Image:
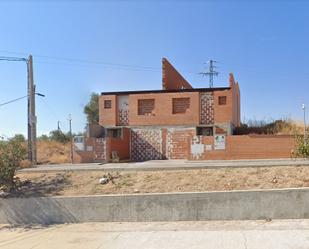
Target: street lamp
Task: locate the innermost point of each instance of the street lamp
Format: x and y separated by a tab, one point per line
305	130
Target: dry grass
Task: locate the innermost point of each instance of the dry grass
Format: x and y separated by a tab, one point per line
87	183
52	152
289	127
277	127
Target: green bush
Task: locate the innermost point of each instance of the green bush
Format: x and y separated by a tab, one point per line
302	146
59	136
12	152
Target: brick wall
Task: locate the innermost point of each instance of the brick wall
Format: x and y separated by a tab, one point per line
247	147
223	113
120	145
94	151
162	114
108	116
235	101
178	142
100	149
171	79
259	146
182	143
190	108
230	112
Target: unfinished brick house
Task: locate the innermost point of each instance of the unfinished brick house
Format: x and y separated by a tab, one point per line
176	122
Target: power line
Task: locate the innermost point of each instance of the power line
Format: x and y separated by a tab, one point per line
128	67
13	100
23	97
5	58
211	73
99	62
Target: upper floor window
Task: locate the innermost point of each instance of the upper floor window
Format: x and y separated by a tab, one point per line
145	107
222	100
180	105
107	104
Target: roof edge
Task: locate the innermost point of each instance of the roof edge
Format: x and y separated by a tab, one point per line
167	91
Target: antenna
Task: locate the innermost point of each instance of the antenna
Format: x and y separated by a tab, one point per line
211	73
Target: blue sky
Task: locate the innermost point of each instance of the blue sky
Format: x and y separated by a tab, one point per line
264	43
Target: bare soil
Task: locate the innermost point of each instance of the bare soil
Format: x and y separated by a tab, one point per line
87	182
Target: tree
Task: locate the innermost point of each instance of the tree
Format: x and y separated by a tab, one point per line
12	152
59	136
92	109
43	137
19	138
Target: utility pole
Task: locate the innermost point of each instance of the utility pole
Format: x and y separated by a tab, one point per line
32	151
58	125
211	73
71	137
32	119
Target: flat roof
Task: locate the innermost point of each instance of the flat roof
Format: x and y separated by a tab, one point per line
167	91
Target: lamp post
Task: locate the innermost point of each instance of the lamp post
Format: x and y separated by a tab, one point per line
305	129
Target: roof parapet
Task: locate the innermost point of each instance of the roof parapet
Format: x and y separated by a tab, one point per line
171	78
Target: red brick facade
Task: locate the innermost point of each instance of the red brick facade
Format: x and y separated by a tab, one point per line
178	122
171	79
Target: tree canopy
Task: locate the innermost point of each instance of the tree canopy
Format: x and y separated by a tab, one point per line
92	109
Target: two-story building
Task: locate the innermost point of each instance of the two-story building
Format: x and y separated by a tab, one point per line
176	122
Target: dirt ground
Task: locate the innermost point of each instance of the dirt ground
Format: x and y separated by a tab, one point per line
87	182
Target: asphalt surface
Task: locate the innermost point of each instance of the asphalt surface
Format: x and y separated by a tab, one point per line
280	234
168	165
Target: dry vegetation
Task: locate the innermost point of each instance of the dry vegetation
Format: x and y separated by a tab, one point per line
277	127
289	127
87	183
51	152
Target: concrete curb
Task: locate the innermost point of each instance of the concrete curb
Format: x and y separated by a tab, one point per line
231	205
153	166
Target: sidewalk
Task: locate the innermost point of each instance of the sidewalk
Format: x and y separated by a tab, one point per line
168	165
277	234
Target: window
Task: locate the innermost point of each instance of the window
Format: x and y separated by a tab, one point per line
222	100
146	107
107	104
180	105
204	131
114	133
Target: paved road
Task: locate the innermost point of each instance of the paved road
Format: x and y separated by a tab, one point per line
292	234
168	165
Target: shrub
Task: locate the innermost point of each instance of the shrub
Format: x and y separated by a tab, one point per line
302	146
12	152
59	136
277	127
